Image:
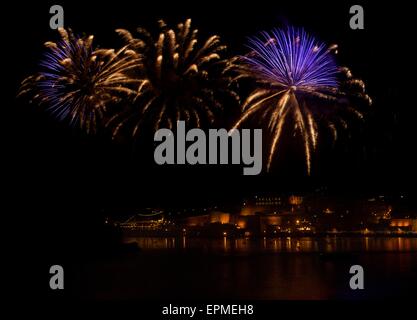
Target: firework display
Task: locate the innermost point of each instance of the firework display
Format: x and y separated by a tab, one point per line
155	81
78	82
180	78
299	84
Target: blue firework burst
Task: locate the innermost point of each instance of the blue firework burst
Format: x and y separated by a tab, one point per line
298	83
292	58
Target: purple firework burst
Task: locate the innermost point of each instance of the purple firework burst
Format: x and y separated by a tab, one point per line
292	58
297	79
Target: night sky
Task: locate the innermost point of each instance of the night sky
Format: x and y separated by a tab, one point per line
53	167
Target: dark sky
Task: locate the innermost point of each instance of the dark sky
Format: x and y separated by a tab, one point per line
53	166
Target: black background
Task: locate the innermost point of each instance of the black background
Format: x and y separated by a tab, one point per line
56	178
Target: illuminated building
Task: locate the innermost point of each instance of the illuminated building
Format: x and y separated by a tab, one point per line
404	224
220	217
205	219
295	200
195	221
271	205
259	215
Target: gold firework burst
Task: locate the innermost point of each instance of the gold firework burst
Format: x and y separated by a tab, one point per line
178	78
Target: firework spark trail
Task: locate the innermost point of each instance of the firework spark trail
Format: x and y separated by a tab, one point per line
78	82
178	79
297	79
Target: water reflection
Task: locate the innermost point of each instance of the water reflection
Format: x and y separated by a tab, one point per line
288	244
159	272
